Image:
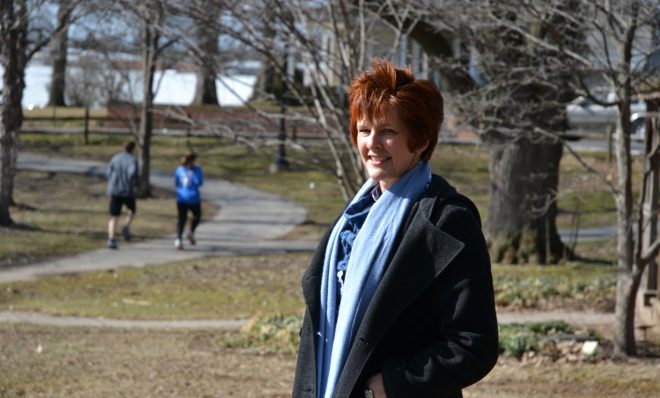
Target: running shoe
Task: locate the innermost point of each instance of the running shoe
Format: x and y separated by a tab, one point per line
126	233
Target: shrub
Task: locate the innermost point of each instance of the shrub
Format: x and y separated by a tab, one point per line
516	289
277	333
517	339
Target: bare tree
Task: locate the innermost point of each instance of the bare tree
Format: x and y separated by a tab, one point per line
59	46
523	230
534	56
620	46
17	47
313	49
510	93
520	113
207	32
152	16
111	44
14	25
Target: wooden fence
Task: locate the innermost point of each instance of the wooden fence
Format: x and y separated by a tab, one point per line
123	121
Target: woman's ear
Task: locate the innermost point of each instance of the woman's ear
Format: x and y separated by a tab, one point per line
421	149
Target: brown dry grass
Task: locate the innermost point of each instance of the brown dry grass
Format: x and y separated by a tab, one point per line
84	363
109	363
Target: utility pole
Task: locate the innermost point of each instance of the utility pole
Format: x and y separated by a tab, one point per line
280	163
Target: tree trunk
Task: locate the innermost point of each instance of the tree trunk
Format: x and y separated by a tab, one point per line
205	90
207	37
146	116
629	276
59	50
627	285
267	84
628	279
13	48
521	223
8	141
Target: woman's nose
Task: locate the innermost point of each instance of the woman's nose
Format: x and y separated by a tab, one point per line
374	140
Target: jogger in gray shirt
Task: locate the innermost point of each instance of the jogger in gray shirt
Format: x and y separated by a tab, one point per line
122	173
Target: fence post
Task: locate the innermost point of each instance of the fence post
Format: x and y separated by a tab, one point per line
86	131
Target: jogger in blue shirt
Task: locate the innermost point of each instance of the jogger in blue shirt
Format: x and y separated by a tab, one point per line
187	179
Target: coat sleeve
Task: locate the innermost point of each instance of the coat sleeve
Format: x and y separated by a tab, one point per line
461	299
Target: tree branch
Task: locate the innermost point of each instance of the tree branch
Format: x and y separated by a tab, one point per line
651	252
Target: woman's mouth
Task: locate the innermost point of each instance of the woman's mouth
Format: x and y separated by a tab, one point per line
378	160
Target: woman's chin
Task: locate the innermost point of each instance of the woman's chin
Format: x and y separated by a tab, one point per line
378	177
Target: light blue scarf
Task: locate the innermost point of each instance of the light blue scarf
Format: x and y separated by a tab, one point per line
370	253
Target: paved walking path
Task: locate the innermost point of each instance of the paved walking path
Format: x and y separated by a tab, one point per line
586	319
582	318
69	321
249	221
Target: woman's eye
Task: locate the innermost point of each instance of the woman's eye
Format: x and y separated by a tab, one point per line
365	131
388	132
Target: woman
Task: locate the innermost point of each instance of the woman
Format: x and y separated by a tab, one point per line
188	178
399	292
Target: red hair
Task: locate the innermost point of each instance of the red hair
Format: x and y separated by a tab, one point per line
419	102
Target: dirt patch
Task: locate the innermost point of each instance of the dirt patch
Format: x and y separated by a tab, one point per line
80	362
516	379
41	361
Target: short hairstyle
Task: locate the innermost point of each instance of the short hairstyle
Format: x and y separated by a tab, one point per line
129	146
419	102
188	159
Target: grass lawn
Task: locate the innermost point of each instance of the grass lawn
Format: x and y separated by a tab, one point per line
213	288
245	286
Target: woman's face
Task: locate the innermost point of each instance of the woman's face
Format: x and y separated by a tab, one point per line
383	146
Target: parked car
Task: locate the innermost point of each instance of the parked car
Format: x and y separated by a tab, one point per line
585	116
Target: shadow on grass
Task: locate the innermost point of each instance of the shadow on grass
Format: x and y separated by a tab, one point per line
593	260
101	234
24	207
25	227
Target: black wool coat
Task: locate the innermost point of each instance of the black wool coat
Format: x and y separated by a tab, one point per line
431	327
